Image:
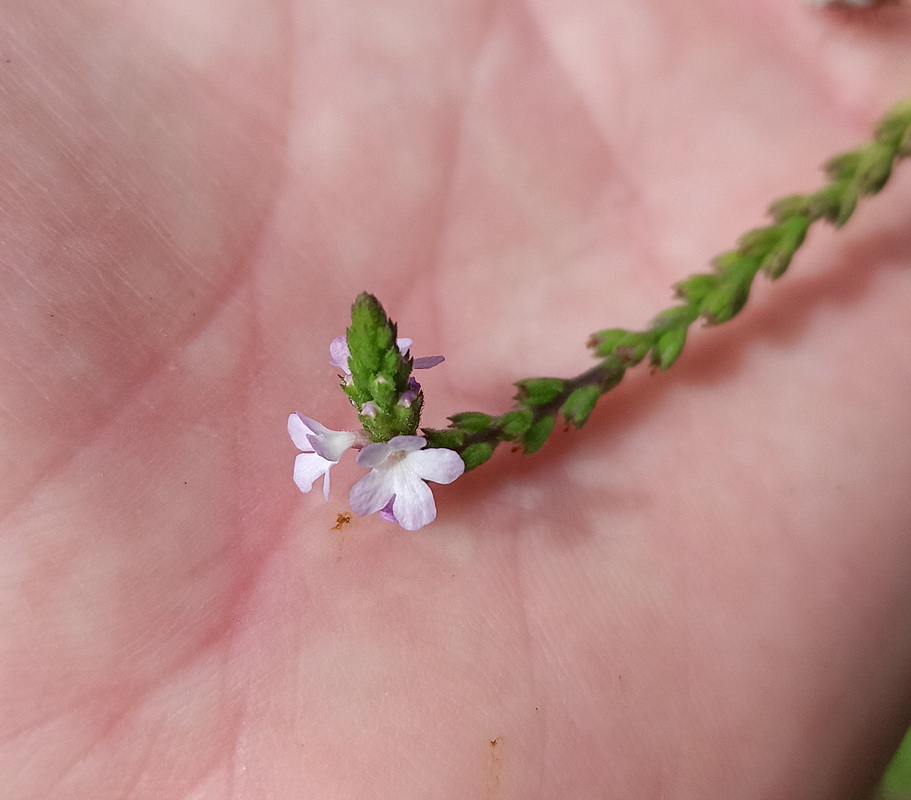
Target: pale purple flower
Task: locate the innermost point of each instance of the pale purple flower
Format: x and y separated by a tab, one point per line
398	471
386	512
426	362
339	354
321	449
406	399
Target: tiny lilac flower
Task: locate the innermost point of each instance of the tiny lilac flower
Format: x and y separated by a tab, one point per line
398	471
406	399
426	362
386	512
321	449
339	354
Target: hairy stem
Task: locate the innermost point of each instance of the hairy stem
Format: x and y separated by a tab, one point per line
715	297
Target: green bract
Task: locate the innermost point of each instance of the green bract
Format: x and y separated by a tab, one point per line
580	404
537	434
539	391
379	374
471	421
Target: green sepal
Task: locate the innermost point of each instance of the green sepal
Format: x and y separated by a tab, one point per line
450	439
471	421
407	417
733	292
631	350
514	424
904	146
677	316
612	372
537	434
874	167
793	231
476	454
895	124
695	288
580	404
605	341
723	305
835	203
759	241
795	205
843	166
669	347
726	262
539	391
357	395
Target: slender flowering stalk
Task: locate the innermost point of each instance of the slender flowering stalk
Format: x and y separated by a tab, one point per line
715	297
377	365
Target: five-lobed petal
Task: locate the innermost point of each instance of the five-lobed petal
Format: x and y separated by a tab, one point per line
398	473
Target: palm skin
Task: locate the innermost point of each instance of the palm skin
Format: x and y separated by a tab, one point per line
705	594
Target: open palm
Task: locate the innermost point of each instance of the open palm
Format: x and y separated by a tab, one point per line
705	594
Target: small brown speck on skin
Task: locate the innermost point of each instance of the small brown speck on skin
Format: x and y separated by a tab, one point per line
340	521
493	775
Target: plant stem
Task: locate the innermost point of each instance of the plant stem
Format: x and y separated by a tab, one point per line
715	296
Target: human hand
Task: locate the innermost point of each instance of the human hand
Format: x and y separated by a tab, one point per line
703	594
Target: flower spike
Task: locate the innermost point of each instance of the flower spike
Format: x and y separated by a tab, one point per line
377	365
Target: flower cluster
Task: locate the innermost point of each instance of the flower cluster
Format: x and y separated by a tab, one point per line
387	398
377	365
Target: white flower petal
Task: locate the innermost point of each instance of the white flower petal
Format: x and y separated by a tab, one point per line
308	467
299	432
332	444
300	424
316	428
326	485
413	506
371	492
374	455
339	354
436	464
404	345
406	444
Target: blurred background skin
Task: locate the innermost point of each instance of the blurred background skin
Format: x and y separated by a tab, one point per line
705	594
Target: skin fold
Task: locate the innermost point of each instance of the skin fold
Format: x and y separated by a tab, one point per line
706	593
